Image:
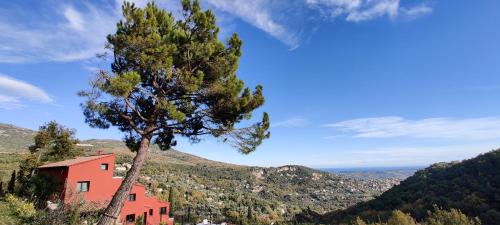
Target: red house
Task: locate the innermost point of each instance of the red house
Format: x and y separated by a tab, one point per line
90	179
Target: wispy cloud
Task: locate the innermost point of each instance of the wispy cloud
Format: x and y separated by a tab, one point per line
363	10
257	13
68	34
417	10
76	31
445	128
403	156
13	92
294	122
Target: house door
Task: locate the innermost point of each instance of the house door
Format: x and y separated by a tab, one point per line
145	218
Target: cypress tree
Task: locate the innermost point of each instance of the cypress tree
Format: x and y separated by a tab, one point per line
12	183
1	189
171	201
23	183
249	213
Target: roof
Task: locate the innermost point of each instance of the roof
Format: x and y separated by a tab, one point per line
77	160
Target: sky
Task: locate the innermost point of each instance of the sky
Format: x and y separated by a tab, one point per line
348	83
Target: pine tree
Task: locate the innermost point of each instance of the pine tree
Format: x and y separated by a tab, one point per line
171	78
12	183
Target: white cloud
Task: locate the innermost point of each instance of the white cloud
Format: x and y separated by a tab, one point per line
258	14
12	91
443	128
9	102
417	10
363	10
380	8
291	123
65	32
69	34
74	18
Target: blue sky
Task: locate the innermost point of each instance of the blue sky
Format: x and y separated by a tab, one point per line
348	83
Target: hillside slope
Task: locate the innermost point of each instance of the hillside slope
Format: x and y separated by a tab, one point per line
203	188
473	186
14	139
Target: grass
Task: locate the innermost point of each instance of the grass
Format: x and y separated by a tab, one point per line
9	162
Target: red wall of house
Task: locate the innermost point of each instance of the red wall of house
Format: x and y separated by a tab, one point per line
102	187
143	204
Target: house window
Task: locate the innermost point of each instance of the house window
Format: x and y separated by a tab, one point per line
130	218
131	197
104	166
82	186
163	210
150	212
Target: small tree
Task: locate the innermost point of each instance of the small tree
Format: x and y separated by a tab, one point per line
12	183
171	78
52	142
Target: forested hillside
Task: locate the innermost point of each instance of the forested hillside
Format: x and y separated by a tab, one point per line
471	186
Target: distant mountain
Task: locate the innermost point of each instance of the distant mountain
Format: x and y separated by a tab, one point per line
472	186
203	188
15	139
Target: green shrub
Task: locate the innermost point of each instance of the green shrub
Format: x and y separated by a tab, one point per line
23	209
400	218
451	217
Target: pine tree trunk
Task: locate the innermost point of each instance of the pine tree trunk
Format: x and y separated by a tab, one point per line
115	206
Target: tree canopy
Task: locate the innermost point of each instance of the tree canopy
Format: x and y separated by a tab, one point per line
174	77
54	142
171	78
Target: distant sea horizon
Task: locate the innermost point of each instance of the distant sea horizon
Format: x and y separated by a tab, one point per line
373	168
388	172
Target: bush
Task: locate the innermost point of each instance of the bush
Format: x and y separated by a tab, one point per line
66	215
358	221
452	217
23	209
400	218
